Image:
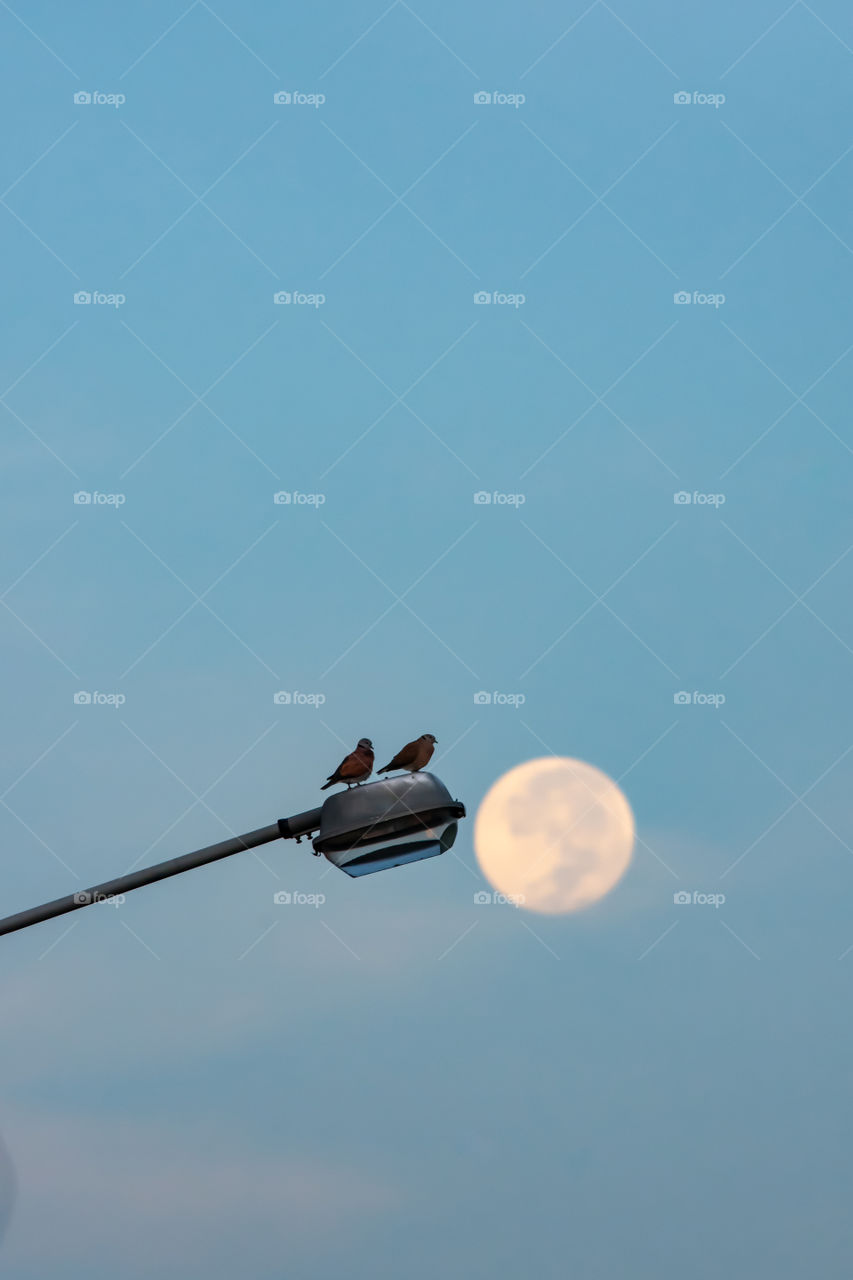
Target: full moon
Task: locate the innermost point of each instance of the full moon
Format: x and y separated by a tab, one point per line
554	835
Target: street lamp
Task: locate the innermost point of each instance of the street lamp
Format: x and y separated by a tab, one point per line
365	829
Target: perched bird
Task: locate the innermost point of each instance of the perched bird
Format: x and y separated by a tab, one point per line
356	767
414	755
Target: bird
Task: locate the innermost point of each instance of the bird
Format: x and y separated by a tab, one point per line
414	755
356	767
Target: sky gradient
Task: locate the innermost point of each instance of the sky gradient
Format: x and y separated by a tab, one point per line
402	1081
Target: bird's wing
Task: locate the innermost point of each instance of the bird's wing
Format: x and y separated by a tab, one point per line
337	772
404	756
353	767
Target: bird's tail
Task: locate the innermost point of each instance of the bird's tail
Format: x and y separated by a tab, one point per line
326	785
384	768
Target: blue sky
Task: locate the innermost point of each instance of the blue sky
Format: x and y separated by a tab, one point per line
200	1082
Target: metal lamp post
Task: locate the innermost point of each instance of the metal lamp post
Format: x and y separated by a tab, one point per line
366	829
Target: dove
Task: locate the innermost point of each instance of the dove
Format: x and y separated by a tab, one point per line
356	767
414	755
